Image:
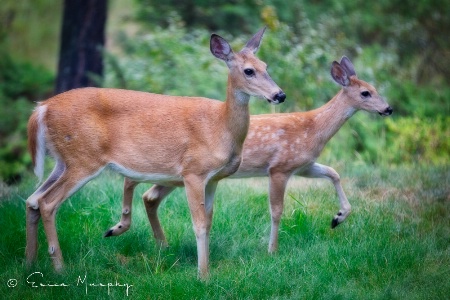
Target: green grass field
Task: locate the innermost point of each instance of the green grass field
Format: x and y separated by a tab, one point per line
394	245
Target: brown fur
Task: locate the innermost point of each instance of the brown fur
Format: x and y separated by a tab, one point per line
170	140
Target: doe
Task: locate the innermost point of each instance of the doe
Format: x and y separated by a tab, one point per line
169	140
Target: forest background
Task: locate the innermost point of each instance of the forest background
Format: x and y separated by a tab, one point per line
401	47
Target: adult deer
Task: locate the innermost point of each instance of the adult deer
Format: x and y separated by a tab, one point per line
282	145
162	139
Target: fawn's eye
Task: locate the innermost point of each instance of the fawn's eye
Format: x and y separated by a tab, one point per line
365	94
249	72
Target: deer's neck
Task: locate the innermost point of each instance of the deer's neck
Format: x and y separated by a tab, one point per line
237	116
329	118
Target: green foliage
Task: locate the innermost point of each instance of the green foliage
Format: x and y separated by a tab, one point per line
20	83
414	140
416	30
23	79
13	146
169	62
212	15
412	99
28	42
29	30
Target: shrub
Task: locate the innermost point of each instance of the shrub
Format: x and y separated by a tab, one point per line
414	140
20	84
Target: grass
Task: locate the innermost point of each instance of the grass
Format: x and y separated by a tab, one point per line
394	245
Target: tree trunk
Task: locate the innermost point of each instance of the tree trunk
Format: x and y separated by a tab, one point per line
82	41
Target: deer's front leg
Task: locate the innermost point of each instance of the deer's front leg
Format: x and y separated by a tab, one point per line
210	191
125	221
195	191
277	187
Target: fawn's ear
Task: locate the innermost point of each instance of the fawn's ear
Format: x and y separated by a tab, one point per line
348	66
255	41
339	74
220	48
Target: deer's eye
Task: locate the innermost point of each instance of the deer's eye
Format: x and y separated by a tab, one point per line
249	72
365	94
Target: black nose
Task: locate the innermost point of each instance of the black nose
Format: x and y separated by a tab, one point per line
389	110
279	97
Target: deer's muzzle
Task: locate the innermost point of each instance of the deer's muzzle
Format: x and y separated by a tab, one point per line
387	112
278	98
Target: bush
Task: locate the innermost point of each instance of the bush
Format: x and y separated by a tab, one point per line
23	79
20	84
415	140
169	62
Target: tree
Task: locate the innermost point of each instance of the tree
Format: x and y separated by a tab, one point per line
82	39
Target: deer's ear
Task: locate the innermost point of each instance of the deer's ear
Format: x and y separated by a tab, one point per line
348	66
254	43
220	48
339	74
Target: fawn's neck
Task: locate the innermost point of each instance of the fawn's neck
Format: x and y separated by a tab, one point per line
330	117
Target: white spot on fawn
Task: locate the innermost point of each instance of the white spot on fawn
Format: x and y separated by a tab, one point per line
280	132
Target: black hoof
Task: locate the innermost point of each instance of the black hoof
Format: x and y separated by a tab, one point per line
108	233
334	223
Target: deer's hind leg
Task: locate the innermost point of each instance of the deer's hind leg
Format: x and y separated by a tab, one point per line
68	183
33	213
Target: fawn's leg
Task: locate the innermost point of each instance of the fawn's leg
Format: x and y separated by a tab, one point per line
322	171
125	220
152	199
